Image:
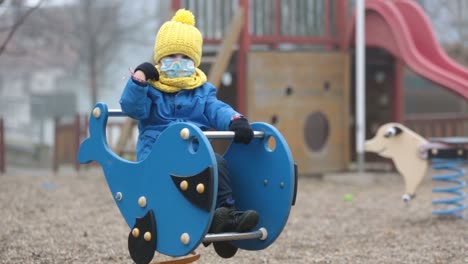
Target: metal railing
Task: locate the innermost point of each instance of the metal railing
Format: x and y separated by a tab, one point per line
272	22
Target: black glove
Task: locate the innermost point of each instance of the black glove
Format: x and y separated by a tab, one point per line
242	129
149	70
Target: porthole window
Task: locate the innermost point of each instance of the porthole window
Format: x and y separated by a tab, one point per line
316	131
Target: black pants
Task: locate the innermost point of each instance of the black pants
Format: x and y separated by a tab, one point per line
224	184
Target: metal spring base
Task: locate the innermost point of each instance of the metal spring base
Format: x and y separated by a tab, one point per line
456	203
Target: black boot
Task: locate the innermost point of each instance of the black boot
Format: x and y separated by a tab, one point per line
241	221
237	221
219	222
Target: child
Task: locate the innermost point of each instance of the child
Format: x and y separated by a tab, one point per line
175	90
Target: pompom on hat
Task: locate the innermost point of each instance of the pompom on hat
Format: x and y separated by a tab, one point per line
179	36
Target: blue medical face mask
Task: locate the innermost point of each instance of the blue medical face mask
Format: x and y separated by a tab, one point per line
177	67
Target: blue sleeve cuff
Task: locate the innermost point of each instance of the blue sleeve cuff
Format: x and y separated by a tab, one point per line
139	83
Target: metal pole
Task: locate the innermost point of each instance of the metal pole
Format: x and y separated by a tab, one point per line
261	234
115	112
360	84
208	134
229	134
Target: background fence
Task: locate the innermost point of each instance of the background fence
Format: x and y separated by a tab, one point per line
69	135
438	125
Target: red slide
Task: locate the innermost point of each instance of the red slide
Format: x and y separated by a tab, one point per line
402	28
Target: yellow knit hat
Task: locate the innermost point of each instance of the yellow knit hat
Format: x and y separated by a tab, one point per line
179	36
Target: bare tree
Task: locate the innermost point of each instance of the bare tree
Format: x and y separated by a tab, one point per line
20	20
98	35
82	37
92	33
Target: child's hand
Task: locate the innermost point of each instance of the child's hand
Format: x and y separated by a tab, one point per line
242	129
146	71
140	75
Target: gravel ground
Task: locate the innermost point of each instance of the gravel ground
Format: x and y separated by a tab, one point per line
70	218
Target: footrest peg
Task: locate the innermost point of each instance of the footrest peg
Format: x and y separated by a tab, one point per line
261	234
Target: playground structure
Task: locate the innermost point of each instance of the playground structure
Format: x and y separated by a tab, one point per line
402	29
313	104
412	155
179	181
306	103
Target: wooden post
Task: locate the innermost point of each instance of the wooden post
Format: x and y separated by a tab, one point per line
244	47
2	147
326	24
125	134
458	128
398	93
175	5
341	20
224	54
277	28
56	142
77	137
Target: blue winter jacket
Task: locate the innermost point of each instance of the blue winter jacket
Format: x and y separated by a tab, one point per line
156	110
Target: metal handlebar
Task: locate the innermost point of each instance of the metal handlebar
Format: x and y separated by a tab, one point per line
208	134
115	112
229	134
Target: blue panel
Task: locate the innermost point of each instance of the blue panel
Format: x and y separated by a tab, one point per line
263	180
174	214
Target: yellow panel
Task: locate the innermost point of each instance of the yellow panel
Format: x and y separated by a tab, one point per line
318	83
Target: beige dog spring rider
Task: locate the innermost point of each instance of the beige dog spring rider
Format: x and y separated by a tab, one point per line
413	154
